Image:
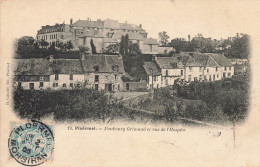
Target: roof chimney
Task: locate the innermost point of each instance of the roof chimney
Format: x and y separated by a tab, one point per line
140	25
71	21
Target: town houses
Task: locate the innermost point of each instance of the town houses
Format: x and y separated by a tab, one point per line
187	67
103	33
100	72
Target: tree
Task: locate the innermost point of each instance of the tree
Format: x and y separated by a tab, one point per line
93	47
25	46
83	49
179	44
163	38
112	49
69	45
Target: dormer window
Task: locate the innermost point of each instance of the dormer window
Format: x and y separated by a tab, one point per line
96	68
115	68
41	78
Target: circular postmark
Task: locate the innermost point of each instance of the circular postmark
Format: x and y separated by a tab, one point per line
31	143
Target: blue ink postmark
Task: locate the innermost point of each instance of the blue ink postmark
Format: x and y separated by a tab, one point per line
31	144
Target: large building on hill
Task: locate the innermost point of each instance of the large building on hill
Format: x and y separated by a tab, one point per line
187	67
103	33
100	72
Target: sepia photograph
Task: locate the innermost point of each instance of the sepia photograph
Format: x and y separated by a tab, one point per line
171	70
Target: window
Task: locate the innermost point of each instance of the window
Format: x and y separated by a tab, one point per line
157	86
71	85
195	78
116	77
181	72
201	68
32	86
41	78
217	75
189	78
166	72
118	87
96	78
229	74
210	78
41	84
214	77
216	68
190	68
154	78
96	86
56	76
71	76
205	78
225	68
64	85
229	68
207	70
53	85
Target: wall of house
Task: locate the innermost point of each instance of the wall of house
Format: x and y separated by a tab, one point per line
104	78
229	72
26	85
173	74
98	42
135	86
209	72
195	72
156	81
65	79
145	48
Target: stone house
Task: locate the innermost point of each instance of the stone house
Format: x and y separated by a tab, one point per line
100	72
103	33
188	67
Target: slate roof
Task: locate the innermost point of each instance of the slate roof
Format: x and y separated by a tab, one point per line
148	66
105	63
205	60
32	67
220	59
90	24
41	66
100	24
168	62
67	66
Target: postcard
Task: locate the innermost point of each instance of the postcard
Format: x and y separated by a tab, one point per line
130	83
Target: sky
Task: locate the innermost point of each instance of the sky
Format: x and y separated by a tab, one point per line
216	19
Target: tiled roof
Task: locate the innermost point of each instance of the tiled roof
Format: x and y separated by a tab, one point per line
169	62
148	66
105	63
220	59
